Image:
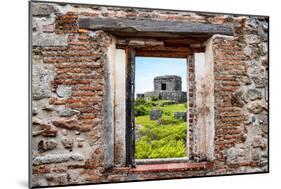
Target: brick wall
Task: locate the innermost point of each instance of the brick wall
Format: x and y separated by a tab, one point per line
229	69
68	82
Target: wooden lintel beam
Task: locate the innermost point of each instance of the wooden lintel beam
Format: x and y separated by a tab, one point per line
167	54
138	43
157	42
155	27
196	45
198	49
185	41
171	49
145	43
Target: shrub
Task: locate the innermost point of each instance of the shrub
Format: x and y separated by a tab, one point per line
140	101
171	148
141	110
154	98
143	149
167	121
160	138
162	141
168	113
160	149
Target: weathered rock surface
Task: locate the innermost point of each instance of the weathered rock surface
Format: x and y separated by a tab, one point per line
155	114
253	94
67	143
259	142
42	9
48	107
46	145
67	112
260	82
57	179
71	124
40	182
43	128
64	132
180	115
80	142
34	111
57	158
232	154
257	107
64	91
41	82
49	39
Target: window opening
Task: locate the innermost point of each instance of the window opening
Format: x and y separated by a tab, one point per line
160	108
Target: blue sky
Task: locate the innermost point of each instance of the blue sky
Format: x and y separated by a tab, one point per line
147	68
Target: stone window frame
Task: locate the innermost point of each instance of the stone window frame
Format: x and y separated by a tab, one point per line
124	157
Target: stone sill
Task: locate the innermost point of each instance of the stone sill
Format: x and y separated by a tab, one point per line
165	167
161	160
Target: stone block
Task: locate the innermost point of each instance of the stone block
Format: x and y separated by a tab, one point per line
41	82
67	143
253	94
47	145
257	107
57	158
68	112
64	91
70	124
40	9
57	179
49	39
180	115
260	82
232	155
155	114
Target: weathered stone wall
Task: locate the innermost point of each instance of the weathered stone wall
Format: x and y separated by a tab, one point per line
241	104
177	96
68	94
69	78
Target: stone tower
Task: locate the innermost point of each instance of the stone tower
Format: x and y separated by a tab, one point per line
167	83
167	87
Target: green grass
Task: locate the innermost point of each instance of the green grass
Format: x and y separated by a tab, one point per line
174	108
161	138
145	121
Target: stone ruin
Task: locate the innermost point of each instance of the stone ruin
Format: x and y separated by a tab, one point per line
155	114
78	129
167	87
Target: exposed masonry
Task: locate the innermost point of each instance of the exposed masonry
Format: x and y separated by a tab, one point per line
70	85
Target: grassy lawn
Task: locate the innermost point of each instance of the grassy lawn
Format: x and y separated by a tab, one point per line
161	138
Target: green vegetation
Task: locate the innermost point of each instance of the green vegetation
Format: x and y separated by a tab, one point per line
161	138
